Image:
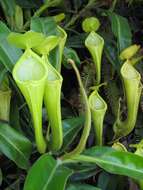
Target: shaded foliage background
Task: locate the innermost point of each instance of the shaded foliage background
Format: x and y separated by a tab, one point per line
121	26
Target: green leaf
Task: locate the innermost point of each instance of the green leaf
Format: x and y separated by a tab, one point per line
81	187
116	162
52	3
29	39
111	52
2	72
112	182
14	145
28	4
8	7
70	53
4	30
19	17
14	114
47	26
76	41
82	171
121	29
58	182
70	129
8	54
46	174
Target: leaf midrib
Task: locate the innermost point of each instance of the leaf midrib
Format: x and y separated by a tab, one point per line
18	150
50	177
98	161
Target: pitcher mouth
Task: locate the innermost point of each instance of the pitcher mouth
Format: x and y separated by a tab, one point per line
93	40
96	102
53	74
129	72
29	68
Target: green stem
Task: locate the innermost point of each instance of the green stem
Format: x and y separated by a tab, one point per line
41	10
82	143
89	5
113	6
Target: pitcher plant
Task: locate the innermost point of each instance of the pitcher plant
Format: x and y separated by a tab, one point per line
30	74
94	44
98	109
132	87
52	100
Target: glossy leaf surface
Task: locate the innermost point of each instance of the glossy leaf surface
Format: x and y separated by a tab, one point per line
116	162
14	145
121	30
47	173
8	53
81	187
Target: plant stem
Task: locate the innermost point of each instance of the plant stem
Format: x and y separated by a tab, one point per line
113	5
36	14
75	17
82	143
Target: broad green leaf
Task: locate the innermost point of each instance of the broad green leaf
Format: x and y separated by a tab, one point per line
70	53
46	25
70	129
29	39
111	52
121	29
81	187
14	145
58	182
8	53
116	162
47	173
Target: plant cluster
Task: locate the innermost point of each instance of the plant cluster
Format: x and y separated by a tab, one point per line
71	101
